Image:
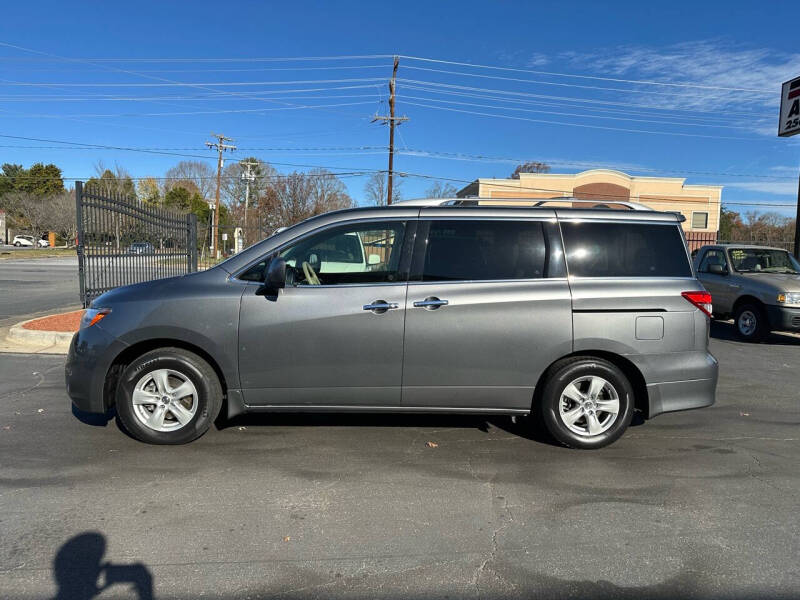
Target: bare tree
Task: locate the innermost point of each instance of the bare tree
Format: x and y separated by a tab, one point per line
530	167
63	218
327	192
303	195
441	189
112	181
377	187
194	172
34	212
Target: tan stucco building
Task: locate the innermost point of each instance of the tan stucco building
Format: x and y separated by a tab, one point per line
700	204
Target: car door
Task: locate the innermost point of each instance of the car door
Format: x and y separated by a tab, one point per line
488	309
722	287
334	335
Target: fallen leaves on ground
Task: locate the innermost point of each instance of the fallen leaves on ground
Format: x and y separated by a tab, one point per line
431	444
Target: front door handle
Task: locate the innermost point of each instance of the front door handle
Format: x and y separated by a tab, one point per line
431	303
380	306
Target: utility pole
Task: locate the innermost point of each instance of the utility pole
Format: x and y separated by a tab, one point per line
221	146
391	120
797	224
248	177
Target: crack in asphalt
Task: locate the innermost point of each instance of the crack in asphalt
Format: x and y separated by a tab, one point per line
42	375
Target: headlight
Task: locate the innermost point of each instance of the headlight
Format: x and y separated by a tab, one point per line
92	316
789	297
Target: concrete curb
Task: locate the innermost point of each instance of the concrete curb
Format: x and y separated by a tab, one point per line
19	339
19	334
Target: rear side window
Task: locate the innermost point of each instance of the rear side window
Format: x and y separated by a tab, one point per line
625	250
473	250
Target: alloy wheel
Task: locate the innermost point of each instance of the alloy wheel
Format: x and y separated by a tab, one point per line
589	405
164	400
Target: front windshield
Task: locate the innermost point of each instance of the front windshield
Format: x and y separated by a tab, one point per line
763	260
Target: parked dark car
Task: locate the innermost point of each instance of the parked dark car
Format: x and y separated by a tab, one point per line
141	248
579	317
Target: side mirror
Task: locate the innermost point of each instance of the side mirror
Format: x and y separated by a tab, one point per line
717	270
275	278
373	259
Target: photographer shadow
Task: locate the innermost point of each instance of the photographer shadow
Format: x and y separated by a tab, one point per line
78	568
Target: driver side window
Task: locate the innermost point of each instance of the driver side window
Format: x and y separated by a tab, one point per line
712	257
351	254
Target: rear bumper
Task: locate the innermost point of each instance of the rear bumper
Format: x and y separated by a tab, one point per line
91	353
681	395
783	318
678	380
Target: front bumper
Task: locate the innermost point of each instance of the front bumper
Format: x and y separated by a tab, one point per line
91	354
783	318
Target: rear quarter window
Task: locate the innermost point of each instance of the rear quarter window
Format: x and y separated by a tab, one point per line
625	250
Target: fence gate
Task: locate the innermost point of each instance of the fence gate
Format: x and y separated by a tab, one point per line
123	241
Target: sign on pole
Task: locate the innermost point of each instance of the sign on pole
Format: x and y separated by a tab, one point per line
790	108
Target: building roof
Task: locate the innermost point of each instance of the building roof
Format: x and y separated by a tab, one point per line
612	173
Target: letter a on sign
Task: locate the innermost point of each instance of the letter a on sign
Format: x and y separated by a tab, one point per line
790	108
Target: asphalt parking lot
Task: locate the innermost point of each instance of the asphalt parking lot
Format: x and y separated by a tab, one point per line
30	287
702	504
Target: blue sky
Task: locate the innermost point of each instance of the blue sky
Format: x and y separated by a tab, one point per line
570	91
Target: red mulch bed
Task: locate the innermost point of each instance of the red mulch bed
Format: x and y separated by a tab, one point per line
64	322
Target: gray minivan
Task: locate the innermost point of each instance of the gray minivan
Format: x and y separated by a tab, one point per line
577	316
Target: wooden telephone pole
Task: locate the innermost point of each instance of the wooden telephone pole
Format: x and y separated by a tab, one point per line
391	120
221	146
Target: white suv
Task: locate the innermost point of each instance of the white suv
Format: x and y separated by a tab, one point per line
28	240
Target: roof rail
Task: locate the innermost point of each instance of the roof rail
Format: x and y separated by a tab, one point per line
528	202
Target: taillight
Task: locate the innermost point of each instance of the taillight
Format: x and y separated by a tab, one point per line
701	300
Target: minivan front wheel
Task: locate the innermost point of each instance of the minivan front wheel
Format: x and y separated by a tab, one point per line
587	402
168	396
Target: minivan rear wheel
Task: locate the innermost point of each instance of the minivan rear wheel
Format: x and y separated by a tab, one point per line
168	396
587	402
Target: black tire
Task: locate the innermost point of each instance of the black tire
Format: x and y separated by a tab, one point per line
181	364
569	370
751	323
17	244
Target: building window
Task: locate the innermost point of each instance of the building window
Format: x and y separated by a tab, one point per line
699	220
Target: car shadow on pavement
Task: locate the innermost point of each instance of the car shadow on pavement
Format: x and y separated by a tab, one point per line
726	331
93	419
521	425
81	574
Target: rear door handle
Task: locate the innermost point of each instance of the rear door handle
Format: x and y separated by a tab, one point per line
431	303
380	306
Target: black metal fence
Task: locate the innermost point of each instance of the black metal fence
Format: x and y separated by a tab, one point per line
123	241
698	239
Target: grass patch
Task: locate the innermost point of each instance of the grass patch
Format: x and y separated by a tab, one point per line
34	253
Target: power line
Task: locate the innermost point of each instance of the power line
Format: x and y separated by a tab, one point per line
560	84
188	113
588	126
167	83
589	105
71	145
451	86
129	72
54	58
584	165
259	70
246	95
593	77
550	112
